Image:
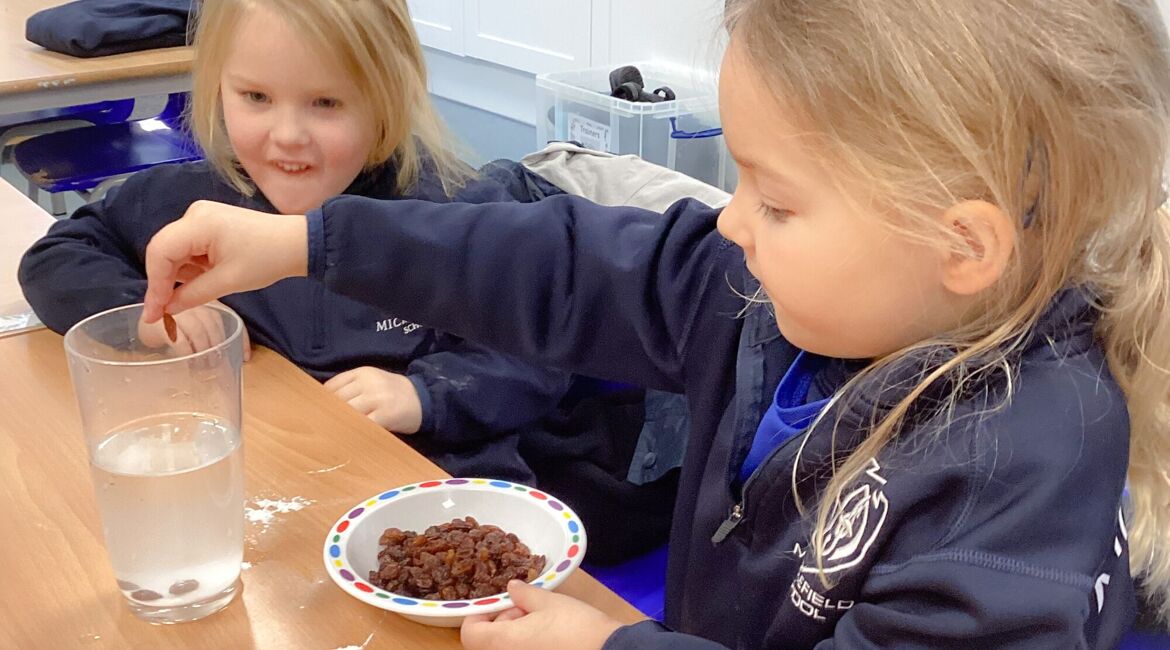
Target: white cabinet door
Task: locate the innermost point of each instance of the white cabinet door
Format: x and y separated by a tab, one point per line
532	35
439	23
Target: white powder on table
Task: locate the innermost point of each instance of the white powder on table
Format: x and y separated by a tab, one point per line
266	509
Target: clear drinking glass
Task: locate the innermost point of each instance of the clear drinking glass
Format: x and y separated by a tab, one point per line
162	427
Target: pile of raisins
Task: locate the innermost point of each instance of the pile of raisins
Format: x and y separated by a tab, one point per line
456	561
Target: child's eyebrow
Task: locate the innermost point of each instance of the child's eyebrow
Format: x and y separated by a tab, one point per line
768	174
240	80
750	162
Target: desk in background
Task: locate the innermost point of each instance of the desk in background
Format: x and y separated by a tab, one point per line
33	78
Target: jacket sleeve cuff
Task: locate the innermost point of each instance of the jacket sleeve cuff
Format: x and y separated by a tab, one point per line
652	634
428	404
638	635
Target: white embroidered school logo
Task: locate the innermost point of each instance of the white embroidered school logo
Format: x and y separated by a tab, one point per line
853	524
391	324
812	603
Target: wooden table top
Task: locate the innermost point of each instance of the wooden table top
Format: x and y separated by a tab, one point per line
302	445
28	68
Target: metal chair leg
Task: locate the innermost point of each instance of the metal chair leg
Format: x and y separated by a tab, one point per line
57	199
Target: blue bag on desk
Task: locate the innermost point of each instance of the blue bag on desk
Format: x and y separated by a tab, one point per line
88	28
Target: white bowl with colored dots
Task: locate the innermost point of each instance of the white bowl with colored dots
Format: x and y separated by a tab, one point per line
544	524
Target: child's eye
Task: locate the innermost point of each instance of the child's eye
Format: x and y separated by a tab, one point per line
778	214
327	102
254	96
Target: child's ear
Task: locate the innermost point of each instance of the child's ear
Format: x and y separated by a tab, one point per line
989	240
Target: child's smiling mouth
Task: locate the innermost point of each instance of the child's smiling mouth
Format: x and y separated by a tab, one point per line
292	168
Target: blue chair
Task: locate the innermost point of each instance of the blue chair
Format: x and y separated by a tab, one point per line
20	126
99	113
1148	632
641	581
1138	640
92	159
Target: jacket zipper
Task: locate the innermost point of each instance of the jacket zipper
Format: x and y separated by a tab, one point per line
728	524
738	510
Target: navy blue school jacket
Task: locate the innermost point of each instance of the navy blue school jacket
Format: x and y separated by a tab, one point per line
471	395
986	529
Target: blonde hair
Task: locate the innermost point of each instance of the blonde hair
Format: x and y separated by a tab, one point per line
374	41
1054	110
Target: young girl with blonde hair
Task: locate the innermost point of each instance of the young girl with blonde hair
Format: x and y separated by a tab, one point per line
294	102
952	214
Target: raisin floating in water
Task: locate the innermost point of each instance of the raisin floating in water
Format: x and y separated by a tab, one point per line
453	561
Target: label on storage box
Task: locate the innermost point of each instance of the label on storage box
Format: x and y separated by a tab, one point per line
591	135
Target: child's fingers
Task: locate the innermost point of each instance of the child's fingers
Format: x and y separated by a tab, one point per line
159	288
197	323
382	418
168	252
196	330
478	618
363	404
200	290
215	322
472	631
479	633
247	345
347	391
152	335
189	272
527	597
340	379
510	615
491	631
182	344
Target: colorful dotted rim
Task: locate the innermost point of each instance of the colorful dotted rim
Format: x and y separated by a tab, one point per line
335	561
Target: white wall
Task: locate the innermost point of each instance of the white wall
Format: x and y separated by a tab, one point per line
492	108
682	32
685	32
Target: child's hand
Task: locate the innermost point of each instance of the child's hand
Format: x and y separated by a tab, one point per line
195	330
217	249
384	397
541	619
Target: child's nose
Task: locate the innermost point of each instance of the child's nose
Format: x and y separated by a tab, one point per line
732	223
289	128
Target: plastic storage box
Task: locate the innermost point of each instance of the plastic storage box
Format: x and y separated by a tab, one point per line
681	134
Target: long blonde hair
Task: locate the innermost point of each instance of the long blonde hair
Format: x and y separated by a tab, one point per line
374	41
1054	110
